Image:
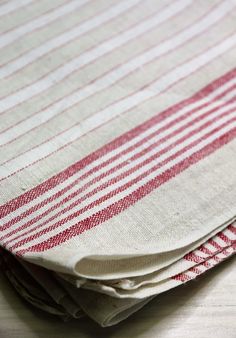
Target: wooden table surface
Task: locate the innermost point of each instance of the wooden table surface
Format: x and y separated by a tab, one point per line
202	308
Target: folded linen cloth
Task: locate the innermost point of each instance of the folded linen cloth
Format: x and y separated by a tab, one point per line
110	309
117	144
214	250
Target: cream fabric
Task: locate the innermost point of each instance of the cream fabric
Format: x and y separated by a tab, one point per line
117	145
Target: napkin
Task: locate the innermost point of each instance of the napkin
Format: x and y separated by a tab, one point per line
117	144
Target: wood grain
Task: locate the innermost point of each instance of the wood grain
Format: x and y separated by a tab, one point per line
202	308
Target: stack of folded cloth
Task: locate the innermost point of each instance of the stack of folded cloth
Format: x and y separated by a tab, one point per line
118	149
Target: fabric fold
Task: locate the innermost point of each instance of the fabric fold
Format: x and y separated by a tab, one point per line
117	150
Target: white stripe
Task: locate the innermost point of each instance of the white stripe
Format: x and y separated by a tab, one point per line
116	109
133	188
129	166
67	69
40	22
113	76
190	274
211	247
11	6
220	241
220	256
201	254
133	163
120	171
230	234
66	37
121	148
202	268
138	172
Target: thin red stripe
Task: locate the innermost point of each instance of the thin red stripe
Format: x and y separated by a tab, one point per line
117	207
104	174
95	128
64	63
71	170
183	277
111	181
78	88
105	73
51	138
66	43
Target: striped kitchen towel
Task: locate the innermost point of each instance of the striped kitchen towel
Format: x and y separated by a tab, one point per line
117	148
115	299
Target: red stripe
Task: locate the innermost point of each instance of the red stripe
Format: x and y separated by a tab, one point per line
193	257
232	228
195	269
54	49
215	244
79	122
92	130
117	207
71	170
105	73
68	143
206	250
104	174
109	183
64	63
183	276
70	93
89	206
225	238
51	138
207	265
73	40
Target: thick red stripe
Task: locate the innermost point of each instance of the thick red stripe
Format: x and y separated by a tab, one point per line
71	170
205	250
183	276
114	180
116	208
232	228
225	238
215	244
122	164
195	269
193	257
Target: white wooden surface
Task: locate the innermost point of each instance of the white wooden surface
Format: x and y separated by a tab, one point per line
203	308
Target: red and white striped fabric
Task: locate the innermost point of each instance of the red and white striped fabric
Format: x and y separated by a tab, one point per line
118	140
